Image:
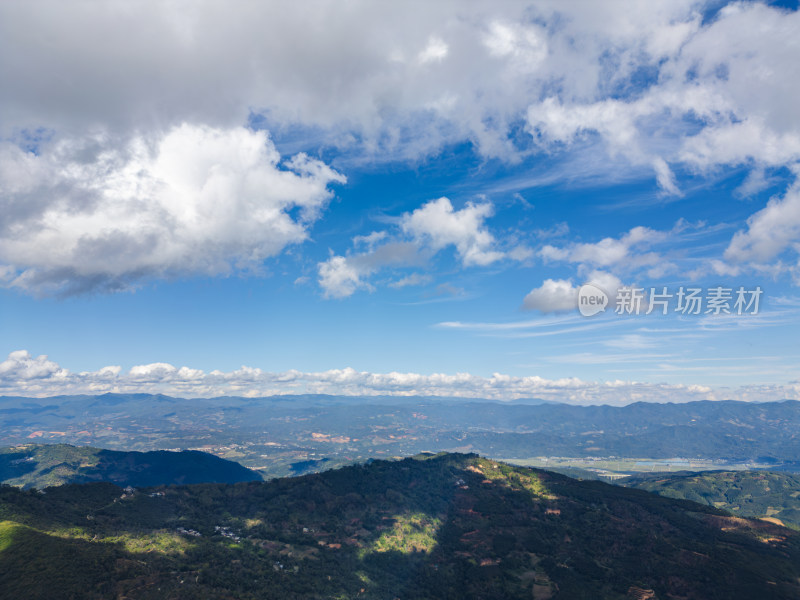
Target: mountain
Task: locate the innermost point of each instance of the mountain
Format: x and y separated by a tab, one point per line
286	435
41	466
759	494
447	526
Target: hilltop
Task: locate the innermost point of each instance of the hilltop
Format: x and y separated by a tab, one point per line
448	526
40	466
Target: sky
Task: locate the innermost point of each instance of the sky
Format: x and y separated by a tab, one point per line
401	198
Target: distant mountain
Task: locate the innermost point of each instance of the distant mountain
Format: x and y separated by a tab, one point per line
744	493
283	435
41	466
437	527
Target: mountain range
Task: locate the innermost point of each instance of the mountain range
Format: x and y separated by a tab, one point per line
287	435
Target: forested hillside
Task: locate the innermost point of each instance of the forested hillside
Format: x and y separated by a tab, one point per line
444	526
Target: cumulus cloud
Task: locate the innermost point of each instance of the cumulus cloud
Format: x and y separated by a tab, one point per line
422	233
339	278
770	231
22	374
197	200
560	295
771	242
439	225
21	366
554	295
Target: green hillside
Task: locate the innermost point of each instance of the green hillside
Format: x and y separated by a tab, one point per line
41	466
444	527
744	493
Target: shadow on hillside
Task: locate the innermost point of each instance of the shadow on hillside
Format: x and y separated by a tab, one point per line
15	464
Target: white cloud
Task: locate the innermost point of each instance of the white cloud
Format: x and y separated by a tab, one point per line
770	245
722	268
429	229
369	240
741	143
20	365
554	295
110	371
559	295
755	182
435	51
196	200
339	278
152	372
626	251
713	102
605	281
17	378
770	231
665	177
438	224
521	253
411	280
524	46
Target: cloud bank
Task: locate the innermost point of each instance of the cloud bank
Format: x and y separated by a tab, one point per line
23	374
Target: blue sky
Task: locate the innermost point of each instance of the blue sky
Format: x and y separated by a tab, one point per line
380	200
